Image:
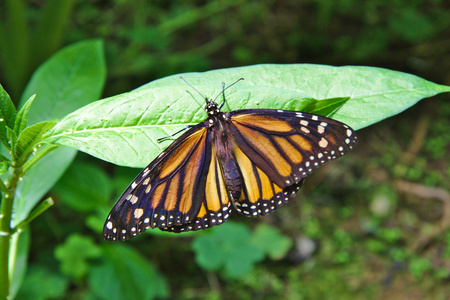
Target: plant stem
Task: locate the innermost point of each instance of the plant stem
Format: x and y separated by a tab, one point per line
6	230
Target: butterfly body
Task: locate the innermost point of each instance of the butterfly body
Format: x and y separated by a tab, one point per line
253	159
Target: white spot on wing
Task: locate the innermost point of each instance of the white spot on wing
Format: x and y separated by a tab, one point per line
133	199
138	212
323	143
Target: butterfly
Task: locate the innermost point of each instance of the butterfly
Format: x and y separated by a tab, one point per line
252	159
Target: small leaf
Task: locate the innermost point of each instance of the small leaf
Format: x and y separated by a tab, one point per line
7	116
30	138
124	129
22	116
12	137
5	163
4	166
75	253
271	241
125	274
227	247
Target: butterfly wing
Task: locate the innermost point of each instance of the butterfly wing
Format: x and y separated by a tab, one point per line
167	192
275	150
215	202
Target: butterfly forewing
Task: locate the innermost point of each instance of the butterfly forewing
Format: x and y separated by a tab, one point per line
160	196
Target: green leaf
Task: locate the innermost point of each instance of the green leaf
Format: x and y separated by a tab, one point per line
41	284
7	115
22	116
70	79
84	187
5	163
124	129
75	253
271	241
227	247
30	138
18	257
125	274
12	137
39	180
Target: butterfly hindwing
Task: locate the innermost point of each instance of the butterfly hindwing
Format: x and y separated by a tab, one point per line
260	195
215	203
275	150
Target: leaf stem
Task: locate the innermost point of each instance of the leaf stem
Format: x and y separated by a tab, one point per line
6	230
41	153
43	206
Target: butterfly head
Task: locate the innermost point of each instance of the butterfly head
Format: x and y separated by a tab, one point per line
212	108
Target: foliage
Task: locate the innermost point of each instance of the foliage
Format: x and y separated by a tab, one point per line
377	227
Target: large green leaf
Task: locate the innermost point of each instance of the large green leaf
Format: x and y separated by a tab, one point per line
73	77
124	129
62	83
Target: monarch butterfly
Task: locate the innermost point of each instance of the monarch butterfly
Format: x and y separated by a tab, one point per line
255	159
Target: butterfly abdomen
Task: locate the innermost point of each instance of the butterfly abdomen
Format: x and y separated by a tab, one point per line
232	178
224	145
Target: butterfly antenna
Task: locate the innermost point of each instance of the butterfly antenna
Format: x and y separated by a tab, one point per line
224	89
206	99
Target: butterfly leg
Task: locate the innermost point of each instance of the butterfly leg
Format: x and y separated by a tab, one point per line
172	136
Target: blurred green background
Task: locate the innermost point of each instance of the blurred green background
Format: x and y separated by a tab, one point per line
372	225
